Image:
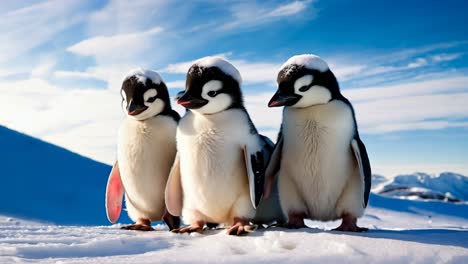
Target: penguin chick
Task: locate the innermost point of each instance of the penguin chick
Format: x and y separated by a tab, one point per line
218	175
321	163
146	152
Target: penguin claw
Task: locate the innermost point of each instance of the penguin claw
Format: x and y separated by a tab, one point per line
349	224
354	228
240	229
188	229
138	227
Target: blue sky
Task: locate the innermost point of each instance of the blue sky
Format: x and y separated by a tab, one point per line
403	64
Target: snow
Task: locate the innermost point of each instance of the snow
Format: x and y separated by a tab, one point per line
142	74
415	234
309	61
445	186
53	212
224	65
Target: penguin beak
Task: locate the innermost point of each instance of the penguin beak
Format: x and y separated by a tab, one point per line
134	109
282	99
190	102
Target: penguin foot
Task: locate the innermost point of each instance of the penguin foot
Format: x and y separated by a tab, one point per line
171	221
195	227
295	221
140	225
212	225
349	224
241	227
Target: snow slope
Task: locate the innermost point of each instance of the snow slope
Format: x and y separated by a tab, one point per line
44	184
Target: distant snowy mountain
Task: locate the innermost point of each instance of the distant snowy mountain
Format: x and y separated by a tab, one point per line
45	182
447	186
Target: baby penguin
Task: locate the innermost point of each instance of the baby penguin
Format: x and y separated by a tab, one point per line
146	152
218	175
322	164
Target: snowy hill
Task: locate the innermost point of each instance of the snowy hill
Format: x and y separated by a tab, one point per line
44	182
445	186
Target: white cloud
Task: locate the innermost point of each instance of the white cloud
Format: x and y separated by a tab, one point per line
75	74
110	73
387	115
44	68
446	57
250	14
176	85
419	62
120	47
122	16
28	27
288	9
423	87
345	71
85	121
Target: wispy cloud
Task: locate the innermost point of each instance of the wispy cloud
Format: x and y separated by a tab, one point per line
44	68
288	9
251	14
446	57
116	47
424	87
28	27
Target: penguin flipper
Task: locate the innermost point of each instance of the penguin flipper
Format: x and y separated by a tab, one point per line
273	166
255	168
114	194
174	193
360	153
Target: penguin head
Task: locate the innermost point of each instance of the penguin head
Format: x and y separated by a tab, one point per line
144	94
303	81
212	86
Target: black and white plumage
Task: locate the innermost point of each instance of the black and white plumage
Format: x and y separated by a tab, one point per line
218	176
146	151
321	163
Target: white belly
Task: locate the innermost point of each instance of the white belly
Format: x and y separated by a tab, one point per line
146	152
211	162
317	155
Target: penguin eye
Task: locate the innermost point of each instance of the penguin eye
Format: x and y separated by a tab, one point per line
212	93
303	84
304	88
150	95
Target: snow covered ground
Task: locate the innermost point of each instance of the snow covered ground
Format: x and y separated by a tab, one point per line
401	231
64	193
